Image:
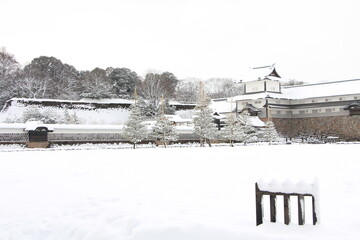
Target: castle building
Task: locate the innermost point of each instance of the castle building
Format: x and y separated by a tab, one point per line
321	109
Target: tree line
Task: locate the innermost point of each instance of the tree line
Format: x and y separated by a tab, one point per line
49	77
237	129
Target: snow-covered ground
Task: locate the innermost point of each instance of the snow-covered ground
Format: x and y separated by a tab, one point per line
177	193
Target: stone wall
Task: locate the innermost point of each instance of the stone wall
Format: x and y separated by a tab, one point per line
344	127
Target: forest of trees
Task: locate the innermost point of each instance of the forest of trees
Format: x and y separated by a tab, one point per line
49	77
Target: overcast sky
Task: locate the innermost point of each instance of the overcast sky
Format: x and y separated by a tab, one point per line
312	40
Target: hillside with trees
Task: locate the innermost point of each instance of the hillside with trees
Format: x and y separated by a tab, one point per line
49	77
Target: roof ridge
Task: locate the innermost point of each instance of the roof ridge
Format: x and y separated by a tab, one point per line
321	83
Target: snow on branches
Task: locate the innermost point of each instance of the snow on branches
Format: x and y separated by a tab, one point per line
204	125
134	130
164	129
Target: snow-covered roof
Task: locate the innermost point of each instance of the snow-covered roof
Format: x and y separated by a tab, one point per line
315	90
223	105
259	73
261	95
86	126
178	119
216	115
107	100
85	100
52	127
256	122
89	100
33	125
325	89
251	108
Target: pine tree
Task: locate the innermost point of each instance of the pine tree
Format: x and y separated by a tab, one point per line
233	131
74	118
270	133
249	132
134	130
163	129
203	120
67	117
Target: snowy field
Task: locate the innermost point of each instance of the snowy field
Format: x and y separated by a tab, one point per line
172	194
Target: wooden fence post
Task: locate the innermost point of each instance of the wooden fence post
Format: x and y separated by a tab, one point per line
314	211
301	210
273	208
287	209
259	210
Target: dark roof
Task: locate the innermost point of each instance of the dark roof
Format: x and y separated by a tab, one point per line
355	105
251	108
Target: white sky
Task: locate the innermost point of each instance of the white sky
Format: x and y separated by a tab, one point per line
312	40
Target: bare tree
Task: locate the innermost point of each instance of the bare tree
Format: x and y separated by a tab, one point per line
292	82
8	68
60	78
222	88
187	89
157	85
27	85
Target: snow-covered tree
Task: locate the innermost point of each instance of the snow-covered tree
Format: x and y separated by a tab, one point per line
31	113
163	129
70	119
124	81
29	86
250	133
149	110
204	127
186	90
61	79
223	88
158	85
67	117
270	133
233	131
134	130
8	64
8	68
48	116
74	118
95	84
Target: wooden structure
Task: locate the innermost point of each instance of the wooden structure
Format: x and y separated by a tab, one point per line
40	134
287	216
38	138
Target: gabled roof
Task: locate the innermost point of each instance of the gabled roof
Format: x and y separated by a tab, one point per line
260	73
250	107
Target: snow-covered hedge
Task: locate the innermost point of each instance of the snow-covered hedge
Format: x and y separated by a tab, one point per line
19	113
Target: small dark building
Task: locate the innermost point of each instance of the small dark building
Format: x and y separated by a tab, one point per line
40	134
